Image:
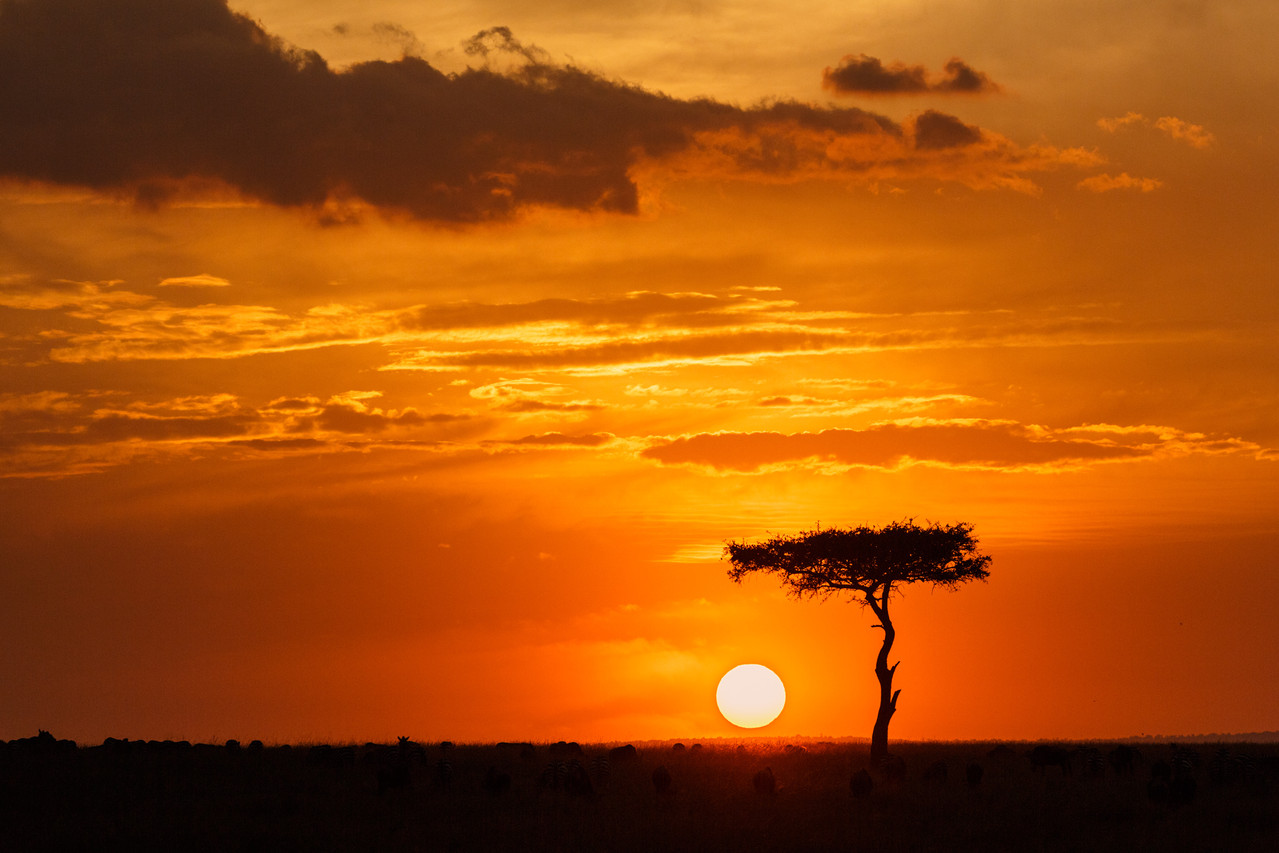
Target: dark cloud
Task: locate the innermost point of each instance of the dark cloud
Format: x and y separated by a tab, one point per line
934	130
146	96
963	78
279	443
867	75
121	427
354	418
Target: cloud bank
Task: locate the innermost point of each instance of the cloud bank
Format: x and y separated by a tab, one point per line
156	99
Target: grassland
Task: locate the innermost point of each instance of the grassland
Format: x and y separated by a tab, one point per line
178	796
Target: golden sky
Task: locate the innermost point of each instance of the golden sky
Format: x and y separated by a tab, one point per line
401	368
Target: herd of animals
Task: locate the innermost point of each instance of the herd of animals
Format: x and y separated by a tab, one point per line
1172	772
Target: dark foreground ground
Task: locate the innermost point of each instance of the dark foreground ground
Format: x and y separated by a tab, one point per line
178	796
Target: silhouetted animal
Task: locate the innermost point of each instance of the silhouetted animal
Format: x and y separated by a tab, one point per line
765	782
1123	759
42	744
1185	760
444	771
1044	756
601	771
549	778
619	754
496	782
661	780
1174	784
1091	760
568	776
410	751
1227	768
325	755
973	773
576	780
936	774
393	764
892	769
679	747
561	748
861	784
1003	752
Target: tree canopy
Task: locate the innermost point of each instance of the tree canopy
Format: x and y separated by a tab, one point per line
865	560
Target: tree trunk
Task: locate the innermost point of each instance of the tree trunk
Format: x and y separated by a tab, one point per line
884	672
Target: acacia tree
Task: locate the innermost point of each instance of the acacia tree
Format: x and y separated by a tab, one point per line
871	565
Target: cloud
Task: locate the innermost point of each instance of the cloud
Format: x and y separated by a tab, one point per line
973	444
867	75
1110	125
628	310
559	439
1122	181
753	338
1194	135
528	396
579	336
157	99
202	280
934	130
27	295
56	433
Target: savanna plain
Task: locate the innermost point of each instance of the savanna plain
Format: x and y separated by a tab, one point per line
750	794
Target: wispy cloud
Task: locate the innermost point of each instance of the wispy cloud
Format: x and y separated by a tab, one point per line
616	335
1123	181
57	434
1194	135
202	280
999	445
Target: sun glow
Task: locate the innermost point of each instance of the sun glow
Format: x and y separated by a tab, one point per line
750	696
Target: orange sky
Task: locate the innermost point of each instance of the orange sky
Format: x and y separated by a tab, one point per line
371	371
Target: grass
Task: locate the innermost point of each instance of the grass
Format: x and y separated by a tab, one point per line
157	796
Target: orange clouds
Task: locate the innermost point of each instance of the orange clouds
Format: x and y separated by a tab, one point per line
1122	181
971	444
1194	135
202	280
584	336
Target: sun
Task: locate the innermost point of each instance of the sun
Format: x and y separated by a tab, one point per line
750	696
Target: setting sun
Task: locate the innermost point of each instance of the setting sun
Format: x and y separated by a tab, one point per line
750	696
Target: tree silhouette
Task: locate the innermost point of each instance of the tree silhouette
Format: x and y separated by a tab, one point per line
870	564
